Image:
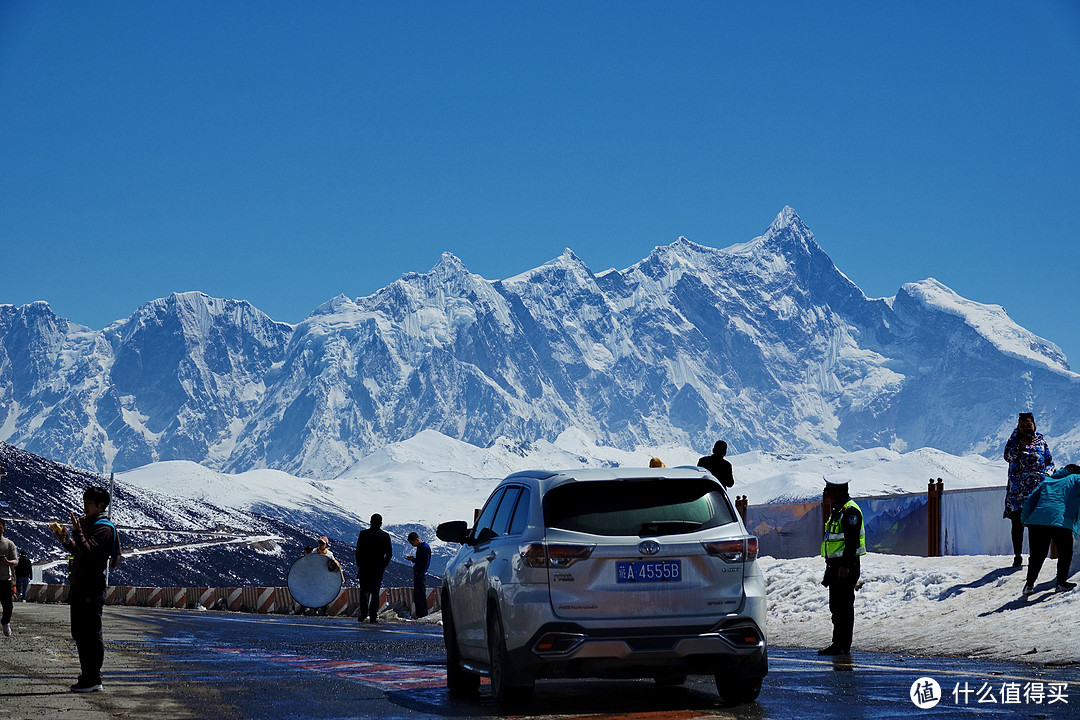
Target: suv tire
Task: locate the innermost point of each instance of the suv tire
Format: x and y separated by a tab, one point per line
510	688
459	681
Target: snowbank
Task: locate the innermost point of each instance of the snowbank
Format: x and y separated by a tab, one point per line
965	606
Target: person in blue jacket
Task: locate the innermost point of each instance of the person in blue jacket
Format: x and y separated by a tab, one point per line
1029	461
1052	512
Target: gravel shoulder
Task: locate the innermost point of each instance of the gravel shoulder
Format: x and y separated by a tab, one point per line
39	662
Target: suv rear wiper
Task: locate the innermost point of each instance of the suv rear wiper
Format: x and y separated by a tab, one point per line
668	527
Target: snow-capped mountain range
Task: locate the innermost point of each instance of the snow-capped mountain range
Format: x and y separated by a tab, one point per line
765	344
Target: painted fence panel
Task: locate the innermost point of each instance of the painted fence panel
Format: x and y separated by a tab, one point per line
972	523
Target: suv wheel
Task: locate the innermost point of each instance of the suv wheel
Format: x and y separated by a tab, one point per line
736	690
459	681
510	689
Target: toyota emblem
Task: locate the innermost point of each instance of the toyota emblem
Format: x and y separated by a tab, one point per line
648	547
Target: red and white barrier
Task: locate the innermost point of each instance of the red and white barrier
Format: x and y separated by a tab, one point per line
200	596
340	604
149	597
283	600
233	598
174	597
248	599
257	599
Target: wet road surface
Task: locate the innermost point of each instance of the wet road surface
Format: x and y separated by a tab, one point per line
257	667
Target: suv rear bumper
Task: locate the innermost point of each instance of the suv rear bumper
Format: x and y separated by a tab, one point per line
735	646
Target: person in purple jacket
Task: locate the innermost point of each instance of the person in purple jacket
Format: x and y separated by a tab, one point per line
1029	462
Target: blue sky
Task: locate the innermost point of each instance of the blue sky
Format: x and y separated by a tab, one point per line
285	152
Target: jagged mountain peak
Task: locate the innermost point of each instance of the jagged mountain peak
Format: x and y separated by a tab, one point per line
196	314
340	304
448	276
666	264
569	257
566	264
990	321
788	218
449	264
37	307
37	317
789	234
686	252
568	260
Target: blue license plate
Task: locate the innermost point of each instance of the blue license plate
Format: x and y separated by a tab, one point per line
648	571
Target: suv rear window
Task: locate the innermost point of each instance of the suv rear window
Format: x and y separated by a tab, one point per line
637	507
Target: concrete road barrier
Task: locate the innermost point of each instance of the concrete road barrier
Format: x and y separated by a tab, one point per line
247	599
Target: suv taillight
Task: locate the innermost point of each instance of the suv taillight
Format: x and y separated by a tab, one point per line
744	550
539	555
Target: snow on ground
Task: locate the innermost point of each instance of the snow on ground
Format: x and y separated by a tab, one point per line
960	606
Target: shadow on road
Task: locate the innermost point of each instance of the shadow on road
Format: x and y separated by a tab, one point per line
579	698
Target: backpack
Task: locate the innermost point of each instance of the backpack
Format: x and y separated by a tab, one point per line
115	557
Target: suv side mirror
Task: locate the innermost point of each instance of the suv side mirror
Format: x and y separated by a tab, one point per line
455	531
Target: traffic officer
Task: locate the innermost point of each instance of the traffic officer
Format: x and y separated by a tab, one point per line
843	544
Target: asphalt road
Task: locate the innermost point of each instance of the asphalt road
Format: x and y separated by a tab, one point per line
178	664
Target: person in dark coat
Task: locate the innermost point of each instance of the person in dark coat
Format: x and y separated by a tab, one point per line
92	542
421	562
23	572
717	465
844	543
9	558
373	553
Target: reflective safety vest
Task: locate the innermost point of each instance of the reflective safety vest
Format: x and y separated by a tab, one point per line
832	546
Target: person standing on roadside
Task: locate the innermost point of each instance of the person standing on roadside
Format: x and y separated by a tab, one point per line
373	553
421	562
717	465
1029	461
1052	513
92	542
844	543
23	572
9	558
322	547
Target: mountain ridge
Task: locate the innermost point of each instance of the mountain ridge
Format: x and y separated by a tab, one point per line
765	343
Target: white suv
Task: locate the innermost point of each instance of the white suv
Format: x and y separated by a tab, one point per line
621	572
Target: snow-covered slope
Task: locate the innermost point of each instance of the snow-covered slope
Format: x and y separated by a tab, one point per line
765	344
429	479
931	606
